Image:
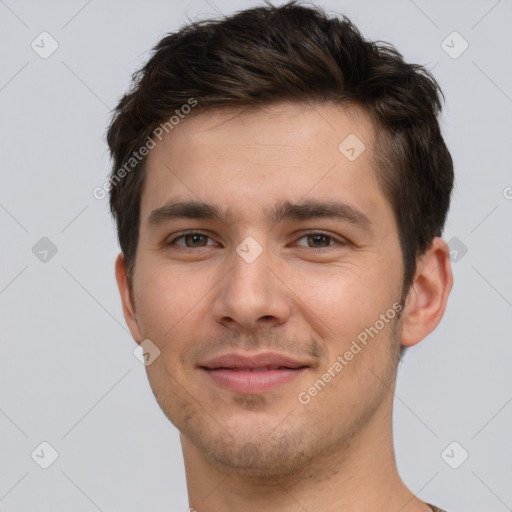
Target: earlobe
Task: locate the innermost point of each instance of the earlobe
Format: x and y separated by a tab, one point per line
426	301
127	300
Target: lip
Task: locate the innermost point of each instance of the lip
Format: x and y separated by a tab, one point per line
238	360
253	373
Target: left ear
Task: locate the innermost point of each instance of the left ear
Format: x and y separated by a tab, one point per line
426	300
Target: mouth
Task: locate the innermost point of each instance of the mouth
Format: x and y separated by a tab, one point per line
253	374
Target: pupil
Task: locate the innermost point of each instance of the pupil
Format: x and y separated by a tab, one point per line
318	239
195	239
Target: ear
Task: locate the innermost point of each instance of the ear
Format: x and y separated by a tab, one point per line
426	300
126	298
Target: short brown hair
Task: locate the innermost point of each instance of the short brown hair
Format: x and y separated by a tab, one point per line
268	54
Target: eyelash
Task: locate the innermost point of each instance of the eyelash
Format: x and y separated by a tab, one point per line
309	233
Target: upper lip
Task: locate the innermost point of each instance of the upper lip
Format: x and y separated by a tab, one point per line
261	360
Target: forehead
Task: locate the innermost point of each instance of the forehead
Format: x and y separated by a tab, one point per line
247	159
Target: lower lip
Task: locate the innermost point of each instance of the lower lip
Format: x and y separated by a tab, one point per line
252	382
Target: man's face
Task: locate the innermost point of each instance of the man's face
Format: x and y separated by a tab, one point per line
301	284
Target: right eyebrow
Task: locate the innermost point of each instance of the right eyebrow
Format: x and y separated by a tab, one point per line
186	210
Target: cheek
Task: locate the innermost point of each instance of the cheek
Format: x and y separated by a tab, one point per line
339	296
344	307
165	299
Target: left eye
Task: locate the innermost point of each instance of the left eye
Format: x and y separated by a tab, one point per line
318	240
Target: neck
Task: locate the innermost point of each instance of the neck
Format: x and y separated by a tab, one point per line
361	474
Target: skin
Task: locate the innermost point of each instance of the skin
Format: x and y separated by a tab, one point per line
307	297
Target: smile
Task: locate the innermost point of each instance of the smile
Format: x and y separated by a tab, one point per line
253	380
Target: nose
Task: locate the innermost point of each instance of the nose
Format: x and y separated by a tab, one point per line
250	296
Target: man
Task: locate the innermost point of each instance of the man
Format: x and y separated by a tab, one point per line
280	186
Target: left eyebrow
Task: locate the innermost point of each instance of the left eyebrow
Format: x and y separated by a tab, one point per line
322	209
284	210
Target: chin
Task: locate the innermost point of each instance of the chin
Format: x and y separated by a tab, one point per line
249	451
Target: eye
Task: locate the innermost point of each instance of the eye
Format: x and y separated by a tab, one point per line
191	239
319	240
196	239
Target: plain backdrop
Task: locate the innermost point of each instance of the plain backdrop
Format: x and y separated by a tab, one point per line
68	375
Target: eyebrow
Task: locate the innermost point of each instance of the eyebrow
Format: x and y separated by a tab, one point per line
282	211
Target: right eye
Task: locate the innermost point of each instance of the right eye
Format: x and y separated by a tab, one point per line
191	240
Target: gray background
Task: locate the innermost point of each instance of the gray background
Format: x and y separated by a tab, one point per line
68	375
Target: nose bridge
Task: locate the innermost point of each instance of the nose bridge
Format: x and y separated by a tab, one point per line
250	293
250	275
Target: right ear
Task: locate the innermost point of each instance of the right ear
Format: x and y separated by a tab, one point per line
127	298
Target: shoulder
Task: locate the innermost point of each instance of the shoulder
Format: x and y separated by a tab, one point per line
434	508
